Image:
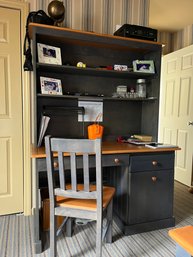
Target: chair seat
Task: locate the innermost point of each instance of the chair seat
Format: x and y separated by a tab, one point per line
184	237
86	204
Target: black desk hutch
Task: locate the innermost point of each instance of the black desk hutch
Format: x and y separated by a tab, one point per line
121	116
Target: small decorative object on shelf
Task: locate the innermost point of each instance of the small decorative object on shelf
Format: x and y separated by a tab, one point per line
120	67
121	91
141	88
81	65
146	66
49	54
132	93
56	11
50	86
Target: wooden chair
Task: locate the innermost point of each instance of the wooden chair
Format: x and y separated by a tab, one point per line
184	240
85	200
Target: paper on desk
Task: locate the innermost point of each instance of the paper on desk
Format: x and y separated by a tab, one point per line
43	126
156	145
92	110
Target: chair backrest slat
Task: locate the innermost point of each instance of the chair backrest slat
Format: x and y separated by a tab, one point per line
86	172
73	171
61	170
76	148
99	175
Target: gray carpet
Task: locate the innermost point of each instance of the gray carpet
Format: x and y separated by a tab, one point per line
16	236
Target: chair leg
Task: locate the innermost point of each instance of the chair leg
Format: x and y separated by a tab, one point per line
53	252
99	237
69	227
108	238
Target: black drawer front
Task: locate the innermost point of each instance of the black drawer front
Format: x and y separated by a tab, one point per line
111	160
159	161
41	163
107	161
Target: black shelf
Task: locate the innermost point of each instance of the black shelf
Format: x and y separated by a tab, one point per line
81	38
131	99
92	71
96	98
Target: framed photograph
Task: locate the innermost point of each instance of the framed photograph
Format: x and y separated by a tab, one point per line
49	54
143	66
50	86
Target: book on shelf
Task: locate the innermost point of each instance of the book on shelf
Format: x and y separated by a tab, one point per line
132	140
143	137
138	142
43	126
156	145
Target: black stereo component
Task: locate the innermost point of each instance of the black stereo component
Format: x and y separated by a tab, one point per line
135	31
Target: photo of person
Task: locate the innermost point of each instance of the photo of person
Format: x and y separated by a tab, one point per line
143	67
49	54
50	86
146	66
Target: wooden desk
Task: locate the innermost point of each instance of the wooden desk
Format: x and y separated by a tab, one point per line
109	148
143	178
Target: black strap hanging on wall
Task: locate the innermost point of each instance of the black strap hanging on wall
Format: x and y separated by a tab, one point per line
35	17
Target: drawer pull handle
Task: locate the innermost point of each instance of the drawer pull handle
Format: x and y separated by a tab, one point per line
154	163
154	178
55	164
116	160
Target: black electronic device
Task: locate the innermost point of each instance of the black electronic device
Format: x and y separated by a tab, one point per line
135	31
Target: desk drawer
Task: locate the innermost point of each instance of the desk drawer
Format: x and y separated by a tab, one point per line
107	161
111	160
41	163
161	161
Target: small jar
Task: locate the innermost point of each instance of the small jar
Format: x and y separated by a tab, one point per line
132	92
141	88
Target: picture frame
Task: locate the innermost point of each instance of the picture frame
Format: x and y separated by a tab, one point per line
49	54
145	66
50	86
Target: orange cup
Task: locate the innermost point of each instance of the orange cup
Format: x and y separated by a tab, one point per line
95	131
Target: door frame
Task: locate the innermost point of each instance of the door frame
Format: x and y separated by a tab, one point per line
23	7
